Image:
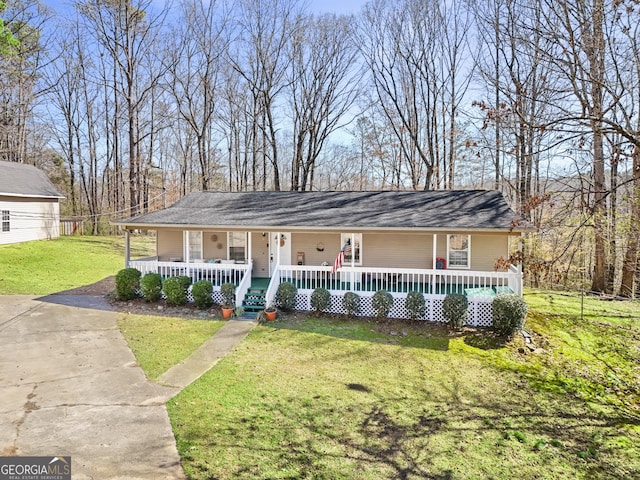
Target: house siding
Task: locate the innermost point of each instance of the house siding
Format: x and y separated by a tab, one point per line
311	243
486	249
214	244
169	244
30	219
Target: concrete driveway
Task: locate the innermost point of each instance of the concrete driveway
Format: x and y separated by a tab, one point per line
69	385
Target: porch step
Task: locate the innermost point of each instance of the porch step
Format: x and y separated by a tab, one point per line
254	300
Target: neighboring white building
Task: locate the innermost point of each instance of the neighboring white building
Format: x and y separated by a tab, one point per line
29	204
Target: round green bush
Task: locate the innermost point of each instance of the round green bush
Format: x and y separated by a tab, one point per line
127	283
351	303
151	287
185	281
320	299
175	291
414	303
228	291
508	313
454	308
382	302
286	296
201	292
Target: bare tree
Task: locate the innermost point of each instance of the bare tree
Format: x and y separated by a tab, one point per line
194	76
264	28
414	50
323	76
23	24
128	31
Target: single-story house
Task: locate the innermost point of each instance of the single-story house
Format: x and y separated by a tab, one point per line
29	204
433	242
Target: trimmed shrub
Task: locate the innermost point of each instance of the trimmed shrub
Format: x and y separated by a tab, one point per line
185	281
127	283
151	287
175	291
286	296
320	299
455	308
414	303
351	303
201	292
509	312
382	302
228	291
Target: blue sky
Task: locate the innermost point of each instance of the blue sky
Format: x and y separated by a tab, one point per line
336	6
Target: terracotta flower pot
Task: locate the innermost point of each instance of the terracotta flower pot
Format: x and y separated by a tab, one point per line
270	314
227	312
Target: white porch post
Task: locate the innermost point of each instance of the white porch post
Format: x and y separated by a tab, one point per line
435	249
353	260
433	275
278	249
249	253
127	249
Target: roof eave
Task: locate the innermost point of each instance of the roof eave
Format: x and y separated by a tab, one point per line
29	195
293	228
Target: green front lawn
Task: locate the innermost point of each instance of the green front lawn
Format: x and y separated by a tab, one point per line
329	398
162	342
43	267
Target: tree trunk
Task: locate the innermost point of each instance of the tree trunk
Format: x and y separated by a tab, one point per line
631	259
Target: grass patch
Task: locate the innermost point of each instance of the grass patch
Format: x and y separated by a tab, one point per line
161	342
43	267
309	397
592	347
326	398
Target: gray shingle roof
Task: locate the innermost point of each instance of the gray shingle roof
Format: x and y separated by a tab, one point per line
440	209
18	179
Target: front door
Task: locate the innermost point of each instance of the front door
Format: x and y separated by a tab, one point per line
260	253
279	248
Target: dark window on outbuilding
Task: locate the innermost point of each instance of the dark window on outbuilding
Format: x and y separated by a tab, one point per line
6	223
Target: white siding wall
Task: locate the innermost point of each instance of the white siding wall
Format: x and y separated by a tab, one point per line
30	219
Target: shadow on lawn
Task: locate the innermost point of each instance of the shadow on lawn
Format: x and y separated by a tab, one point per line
382	438
418	334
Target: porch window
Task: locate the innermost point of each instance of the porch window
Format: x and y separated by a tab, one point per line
237	246
6	224
356	248
458	251
193	244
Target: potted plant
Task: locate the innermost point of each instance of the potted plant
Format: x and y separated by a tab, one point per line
228	291
270	313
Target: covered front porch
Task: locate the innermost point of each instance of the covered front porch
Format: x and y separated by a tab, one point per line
255	290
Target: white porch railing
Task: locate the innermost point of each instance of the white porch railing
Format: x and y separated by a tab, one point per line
216	273
272	289
244	285
401	280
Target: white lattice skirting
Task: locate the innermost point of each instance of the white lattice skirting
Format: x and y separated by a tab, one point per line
479	307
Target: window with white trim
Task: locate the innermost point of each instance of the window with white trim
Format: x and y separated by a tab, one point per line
237	242
458	251
193	245
6	222
355	249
